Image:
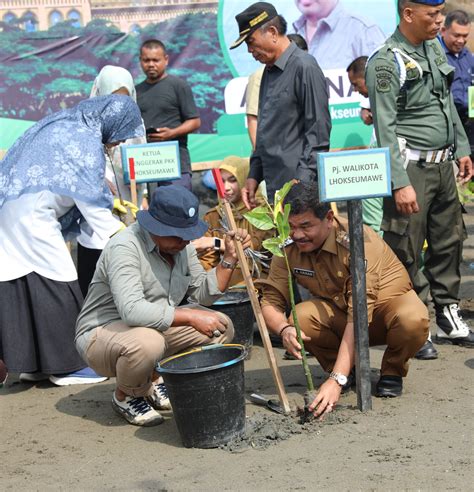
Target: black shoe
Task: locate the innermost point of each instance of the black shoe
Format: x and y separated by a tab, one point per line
427	352
389	387
452	329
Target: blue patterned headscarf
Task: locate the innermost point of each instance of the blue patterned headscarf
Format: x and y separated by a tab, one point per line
64	152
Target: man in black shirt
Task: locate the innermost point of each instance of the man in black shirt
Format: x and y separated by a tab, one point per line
167	104
293	122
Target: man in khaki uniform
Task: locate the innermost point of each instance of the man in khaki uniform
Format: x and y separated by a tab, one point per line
319	259
414	115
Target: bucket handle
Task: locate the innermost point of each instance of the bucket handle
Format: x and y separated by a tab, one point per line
200	349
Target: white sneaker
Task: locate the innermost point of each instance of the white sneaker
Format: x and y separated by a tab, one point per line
32	377
159	398
137	411
83	376
452	329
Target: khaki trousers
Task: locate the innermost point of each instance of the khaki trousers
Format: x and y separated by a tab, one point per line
130	353
401	323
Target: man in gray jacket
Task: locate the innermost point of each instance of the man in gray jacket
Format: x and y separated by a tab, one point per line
133	314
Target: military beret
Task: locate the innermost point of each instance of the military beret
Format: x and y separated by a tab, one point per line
433	3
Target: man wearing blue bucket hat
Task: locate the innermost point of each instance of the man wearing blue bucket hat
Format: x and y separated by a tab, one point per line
409	81
134	316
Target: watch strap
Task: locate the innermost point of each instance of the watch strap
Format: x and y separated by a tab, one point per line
228	264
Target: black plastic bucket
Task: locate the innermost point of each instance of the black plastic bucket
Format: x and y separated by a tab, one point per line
206	390
237	305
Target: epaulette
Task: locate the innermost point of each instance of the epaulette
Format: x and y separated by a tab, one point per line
342	237
379	48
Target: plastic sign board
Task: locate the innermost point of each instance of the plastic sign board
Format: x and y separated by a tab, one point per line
151	162
354	174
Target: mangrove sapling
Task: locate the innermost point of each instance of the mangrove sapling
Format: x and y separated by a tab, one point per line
266	217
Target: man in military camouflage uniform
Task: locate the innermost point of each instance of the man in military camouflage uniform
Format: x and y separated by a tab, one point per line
414	115
319	259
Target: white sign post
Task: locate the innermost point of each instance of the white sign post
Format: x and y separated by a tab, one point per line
151	162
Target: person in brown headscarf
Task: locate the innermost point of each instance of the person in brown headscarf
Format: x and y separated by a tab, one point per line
234	171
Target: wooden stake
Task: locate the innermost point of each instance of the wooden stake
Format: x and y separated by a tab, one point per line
262	326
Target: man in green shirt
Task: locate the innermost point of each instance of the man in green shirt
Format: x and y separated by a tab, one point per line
408	80
134	316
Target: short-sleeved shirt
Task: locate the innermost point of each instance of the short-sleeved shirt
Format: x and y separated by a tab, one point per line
341	37
135	284
326	272
293	121
168	103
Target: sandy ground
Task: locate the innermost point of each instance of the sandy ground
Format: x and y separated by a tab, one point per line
70	439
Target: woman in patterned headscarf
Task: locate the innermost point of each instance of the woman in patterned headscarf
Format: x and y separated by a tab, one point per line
110	80
55	168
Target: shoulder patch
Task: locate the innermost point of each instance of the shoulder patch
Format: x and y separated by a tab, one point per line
384	68
342	237
383	83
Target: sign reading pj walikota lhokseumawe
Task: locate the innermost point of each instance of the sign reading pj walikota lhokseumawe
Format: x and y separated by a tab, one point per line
50	53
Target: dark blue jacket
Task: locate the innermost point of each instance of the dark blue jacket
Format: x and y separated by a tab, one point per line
464	65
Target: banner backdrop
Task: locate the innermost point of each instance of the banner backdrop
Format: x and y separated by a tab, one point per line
50	53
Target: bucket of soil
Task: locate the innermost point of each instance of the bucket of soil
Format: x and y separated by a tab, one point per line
236	304
206	390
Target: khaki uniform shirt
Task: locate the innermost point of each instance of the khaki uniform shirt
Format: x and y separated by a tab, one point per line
135	284
326	272
412	105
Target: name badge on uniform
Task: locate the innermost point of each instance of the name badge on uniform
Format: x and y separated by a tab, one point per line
302	271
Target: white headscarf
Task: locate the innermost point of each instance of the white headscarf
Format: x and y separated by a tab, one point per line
112	78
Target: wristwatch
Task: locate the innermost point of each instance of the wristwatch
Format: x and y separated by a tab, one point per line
340	379
228	264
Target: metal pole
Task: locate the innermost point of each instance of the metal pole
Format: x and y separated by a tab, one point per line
359	301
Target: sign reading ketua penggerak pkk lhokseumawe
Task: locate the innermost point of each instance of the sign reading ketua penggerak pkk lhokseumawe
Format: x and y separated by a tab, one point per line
152	162
354	174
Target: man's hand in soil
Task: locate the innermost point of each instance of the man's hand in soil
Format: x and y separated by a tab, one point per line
326	399
290	342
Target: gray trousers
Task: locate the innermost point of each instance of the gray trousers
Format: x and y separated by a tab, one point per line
440	222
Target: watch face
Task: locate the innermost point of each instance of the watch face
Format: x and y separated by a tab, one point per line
341	379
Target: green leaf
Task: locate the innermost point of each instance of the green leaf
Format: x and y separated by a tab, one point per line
273	245
283	226
280	196
260	218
